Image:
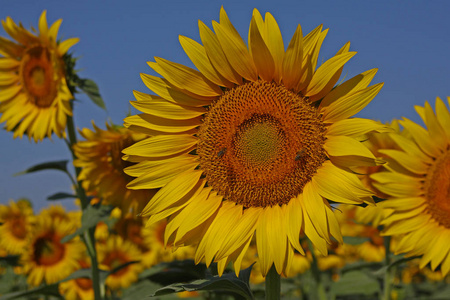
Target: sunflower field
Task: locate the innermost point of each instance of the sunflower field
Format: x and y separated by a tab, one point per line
247	173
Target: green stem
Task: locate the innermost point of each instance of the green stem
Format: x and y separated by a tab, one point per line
319	291
273	284
88	237
387	274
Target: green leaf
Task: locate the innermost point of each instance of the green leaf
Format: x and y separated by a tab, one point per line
228	283
10	260
91	216
380	272
355	240
61	195
52	165
355	283
140	290
91	89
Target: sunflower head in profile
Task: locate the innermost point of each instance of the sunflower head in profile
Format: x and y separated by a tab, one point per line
34	96
417	181
16	229
99	158
252	143
48	259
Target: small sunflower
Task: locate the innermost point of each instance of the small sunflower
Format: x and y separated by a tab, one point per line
34	97
417	182
79	288
16	227
251	144
114	253
99	157
47	259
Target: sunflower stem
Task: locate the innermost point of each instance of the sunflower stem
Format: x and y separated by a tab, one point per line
273	284
318	290
387	274
89	238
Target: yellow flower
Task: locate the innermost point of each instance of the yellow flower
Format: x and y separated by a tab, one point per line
418	184
16	230
80	288
47	259
34	97
114	253
243	147
102	167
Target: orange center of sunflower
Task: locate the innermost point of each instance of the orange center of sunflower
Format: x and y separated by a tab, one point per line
260	144
48	250
38	76
437	187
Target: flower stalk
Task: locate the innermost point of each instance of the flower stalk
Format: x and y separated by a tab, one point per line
273	284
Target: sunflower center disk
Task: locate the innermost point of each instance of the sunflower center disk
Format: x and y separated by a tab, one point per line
37	71
438	190
49	251
260	144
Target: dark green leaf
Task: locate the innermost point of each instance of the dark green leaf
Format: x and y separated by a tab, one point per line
91	89
380	272
228	283
52	165
140	290
355	240
355	283
10	260
91	216
59	196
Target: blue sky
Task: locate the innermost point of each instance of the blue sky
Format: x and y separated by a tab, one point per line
407	40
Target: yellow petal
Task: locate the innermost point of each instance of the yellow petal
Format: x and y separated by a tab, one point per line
43	26
161	124
186	78
157	106
349	105
162	145
402	203
442	114
291	72
356	127
198	56
8	63
236	52
319	243
349	87
333	225
409	162
260	53
53	31
263	242
396	189
276	234
64	46
411	148
435	129
315	208
343	145
174	191
216	55
294	220
9	92
421	137
164	89
275	44
161	172
325	73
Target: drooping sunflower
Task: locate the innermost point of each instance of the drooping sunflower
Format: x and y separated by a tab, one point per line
47	259
34	97
16	227
99	158
251	144
417	181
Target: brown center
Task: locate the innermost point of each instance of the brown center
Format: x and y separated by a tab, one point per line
260	144
39	77
48	250
116	259
437	187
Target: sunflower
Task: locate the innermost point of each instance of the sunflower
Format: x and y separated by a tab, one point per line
115	253
417	181
79	288
17	221
47	259
251	144
99	158
34	96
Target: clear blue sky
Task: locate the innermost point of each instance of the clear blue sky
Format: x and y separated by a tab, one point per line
407	40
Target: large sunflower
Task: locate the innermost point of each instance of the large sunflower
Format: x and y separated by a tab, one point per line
34	97
251	144
99	158
418	184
